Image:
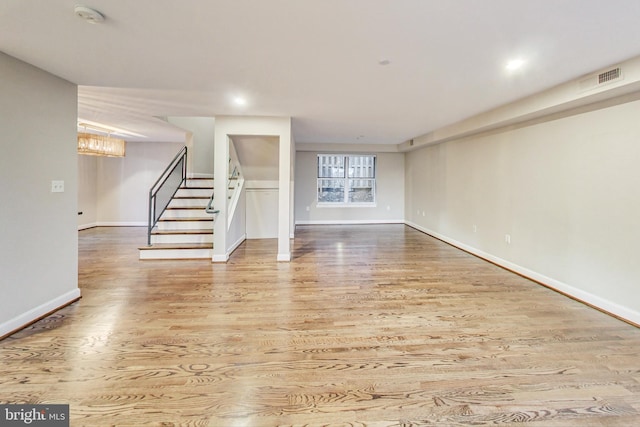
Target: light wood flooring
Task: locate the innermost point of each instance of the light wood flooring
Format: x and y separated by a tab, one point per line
367	326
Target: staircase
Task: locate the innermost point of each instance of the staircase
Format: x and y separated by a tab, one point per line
181	211
185	230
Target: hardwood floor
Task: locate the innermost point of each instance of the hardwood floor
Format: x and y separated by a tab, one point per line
367	326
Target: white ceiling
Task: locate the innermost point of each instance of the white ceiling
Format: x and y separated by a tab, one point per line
315	60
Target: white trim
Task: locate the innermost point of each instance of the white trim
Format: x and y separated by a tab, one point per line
284	257
225	257
346	178
586	297
341	148
34	314
122	224
220	258
350	222
236	244
200	175
345	205
86	226
233	203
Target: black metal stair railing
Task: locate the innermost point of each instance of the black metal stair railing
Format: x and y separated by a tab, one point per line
210	209
167	185
232	176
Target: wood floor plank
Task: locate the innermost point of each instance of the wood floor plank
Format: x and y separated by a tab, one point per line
367	326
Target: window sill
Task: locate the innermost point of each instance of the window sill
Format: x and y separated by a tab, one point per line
346	205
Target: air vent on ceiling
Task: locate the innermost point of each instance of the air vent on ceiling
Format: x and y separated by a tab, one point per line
596	80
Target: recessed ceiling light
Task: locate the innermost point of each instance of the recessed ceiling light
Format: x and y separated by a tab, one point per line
515	64
238	100
90	15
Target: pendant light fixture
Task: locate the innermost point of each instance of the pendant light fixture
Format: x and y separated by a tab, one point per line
100	145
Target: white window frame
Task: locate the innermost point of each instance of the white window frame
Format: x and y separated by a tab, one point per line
346	180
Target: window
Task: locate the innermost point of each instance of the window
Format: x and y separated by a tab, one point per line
346	179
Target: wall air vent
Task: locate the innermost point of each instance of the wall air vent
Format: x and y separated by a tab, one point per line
610	75
596	80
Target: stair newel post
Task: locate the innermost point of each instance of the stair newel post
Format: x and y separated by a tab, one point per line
150	223
184	167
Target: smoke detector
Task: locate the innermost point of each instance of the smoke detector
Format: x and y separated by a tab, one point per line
90	15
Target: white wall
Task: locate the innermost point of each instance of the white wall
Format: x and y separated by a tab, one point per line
565	190
117	188
262	213
201	149
39	238
237	229
389	193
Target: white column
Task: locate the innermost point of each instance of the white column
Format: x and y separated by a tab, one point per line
292	190
284	196
220	175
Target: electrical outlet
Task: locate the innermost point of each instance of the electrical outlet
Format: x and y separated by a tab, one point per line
57	186
507	238
475	228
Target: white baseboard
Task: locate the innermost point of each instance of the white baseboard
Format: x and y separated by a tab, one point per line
200	175
596	301
351	222
38	312
236	244
122	224
112	224
220	258
233	247
284	257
